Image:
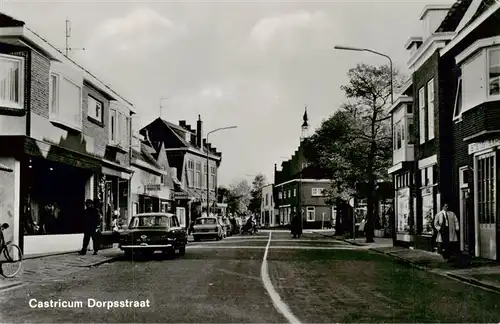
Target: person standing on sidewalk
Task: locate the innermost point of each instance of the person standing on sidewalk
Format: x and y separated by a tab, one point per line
447	227
91	222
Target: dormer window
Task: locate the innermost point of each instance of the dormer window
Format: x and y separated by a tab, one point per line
494	72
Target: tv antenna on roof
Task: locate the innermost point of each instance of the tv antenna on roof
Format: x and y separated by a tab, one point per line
68	35
161	107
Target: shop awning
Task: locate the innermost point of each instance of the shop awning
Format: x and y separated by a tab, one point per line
3	167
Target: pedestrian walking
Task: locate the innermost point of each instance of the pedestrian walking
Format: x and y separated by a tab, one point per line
91	222
447	227
296	226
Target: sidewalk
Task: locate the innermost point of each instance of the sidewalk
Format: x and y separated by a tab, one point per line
57	267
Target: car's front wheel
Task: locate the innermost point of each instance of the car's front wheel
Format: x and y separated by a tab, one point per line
169	253
182	250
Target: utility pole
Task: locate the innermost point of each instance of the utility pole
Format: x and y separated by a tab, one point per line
68	35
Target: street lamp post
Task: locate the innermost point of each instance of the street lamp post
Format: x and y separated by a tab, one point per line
357	49
208	164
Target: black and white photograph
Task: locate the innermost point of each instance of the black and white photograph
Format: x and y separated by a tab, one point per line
249	161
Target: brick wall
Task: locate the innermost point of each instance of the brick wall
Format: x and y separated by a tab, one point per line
100	132
40	72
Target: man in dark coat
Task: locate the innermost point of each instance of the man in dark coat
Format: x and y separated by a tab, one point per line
296	226
91	222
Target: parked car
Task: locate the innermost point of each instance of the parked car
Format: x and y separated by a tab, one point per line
207	228
150	232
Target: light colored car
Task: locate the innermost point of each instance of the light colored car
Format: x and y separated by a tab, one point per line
207	228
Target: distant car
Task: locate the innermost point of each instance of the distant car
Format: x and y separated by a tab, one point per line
150	232
207	228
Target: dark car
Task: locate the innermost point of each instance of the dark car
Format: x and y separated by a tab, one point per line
207	228
150	232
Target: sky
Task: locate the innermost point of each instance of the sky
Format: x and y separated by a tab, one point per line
250	64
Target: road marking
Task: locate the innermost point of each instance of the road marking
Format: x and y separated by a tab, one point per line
284	240
275	297
282	247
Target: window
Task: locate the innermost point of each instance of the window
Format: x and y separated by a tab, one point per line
421	120
11	81
280	196
295	192
473	81
486	183
289	193
409	108
430	108
190	168
204	177
197	182
311	213
317	192
94	109
397	135
213	177
427	176
267	199
494	72
65	93
458	100
119	127
411	132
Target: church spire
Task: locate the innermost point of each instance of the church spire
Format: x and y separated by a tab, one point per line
305	125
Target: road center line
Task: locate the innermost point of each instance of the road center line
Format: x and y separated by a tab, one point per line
275	297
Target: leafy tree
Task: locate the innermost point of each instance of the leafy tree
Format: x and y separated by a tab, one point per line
239	197
356	143
256	193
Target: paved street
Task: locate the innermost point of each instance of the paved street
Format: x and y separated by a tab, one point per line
314	280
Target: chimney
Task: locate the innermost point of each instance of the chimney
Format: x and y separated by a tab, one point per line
182	123
199	131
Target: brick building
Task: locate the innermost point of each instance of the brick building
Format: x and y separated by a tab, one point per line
66	137
299	189
187	154
455	85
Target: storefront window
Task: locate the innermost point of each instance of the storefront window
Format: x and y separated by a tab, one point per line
55	197
403	209
427	211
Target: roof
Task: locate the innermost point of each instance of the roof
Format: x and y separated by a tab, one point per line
146	156
485	5
188	144
454	16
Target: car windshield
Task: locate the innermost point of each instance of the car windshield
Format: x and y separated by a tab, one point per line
149	221
205	221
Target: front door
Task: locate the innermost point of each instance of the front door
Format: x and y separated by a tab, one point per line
486	205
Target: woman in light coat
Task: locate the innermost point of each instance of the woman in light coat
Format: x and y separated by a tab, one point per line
447	227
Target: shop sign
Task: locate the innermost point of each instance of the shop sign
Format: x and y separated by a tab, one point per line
153	187
476	147
180	195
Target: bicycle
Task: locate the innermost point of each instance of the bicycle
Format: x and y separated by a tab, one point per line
11	266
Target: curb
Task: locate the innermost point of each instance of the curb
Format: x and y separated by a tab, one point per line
474	282
12	285
98	263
